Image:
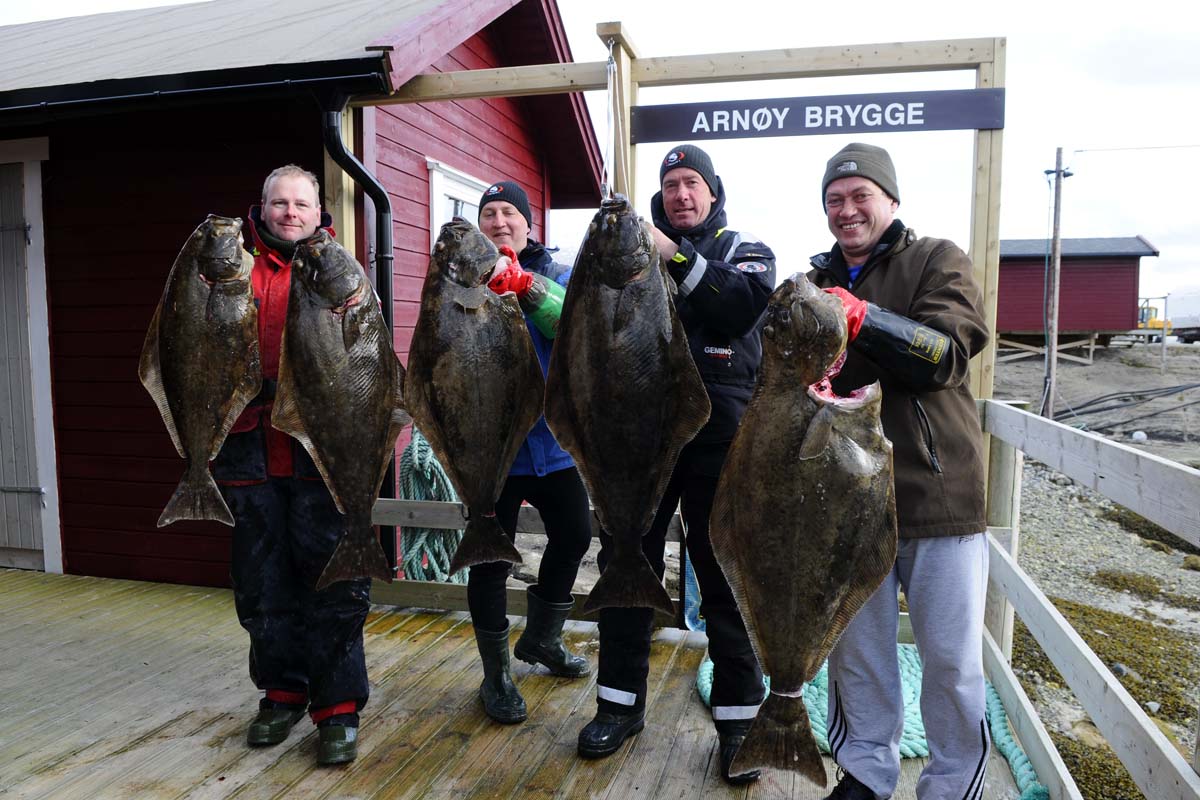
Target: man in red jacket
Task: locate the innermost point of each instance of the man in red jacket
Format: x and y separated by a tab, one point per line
306	647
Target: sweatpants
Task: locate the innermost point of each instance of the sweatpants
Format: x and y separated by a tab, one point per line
561	500
945	581
625	633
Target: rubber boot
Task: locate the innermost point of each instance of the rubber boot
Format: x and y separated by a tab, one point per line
731	735
499	694
541	642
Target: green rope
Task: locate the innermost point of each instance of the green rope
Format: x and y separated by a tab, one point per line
912	740
426	552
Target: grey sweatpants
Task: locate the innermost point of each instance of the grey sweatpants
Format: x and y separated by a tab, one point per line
945	581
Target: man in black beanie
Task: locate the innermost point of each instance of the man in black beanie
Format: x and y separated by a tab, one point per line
725	279
914	320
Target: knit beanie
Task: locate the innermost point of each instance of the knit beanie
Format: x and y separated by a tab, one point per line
688	155
865	160
510	193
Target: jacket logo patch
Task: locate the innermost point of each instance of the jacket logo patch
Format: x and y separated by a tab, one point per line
751	266
928	344
724	353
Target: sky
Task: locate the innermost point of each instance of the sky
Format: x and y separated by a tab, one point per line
1118	90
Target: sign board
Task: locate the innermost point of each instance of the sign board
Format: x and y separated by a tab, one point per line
965	109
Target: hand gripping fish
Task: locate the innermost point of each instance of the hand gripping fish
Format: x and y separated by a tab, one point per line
623	395
804	519
200	361
339	394
474	383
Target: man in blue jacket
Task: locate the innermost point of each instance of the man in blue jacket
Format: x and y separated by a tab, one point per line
542	474
725	278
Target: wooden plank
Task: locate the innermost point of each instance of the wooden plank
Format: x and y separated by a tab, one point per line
622	97
1161	490
519	81
1026	725
1157	768
1003	512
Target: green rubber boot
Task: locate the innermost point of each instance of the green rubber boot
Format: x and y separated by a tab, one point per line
338	744
272	725
541	642
501	699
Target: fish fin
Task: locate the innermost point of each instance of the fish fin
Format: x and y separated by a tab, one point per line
629	582
286	417
781	738
351	559
557	406
483	541
150	373
196	497
819	432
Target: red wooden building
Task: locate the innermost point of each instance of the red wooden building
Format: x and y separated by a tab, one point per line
119	132
1098	285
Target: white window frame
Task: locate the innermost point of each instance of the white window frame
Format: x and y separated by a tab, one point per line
447	182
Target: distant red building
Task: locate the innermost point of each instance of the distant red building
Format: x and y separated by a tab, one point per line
120	132
1098	285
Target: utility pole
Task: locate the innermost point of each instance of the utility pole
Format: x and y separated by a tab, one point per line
1052	300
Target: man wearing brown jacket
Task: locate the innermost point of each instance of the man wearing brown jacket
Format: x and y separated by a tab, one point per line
914	321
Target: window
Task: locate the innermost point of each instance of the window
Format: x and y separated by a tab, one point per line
451	194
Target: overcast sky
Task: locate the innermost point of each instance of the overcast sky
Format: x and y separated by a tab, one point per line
1118	90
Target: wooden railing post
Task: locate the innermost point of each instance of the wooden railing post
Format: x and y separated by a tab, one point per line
626	91
1004	518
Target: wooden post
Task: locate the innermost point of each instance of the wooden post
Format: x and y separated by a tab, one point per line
624	53
338	188
1047	409
1003	514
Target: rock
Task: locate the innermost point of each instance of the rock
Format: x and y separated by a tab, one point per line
1154	544
1191	562
1153	707
1138	436
1088	734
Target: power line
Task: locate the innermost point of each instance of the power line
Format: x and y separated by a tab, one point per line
1147	147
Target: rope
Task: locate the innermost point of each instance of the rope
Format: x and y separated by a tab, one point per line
426	552
912	740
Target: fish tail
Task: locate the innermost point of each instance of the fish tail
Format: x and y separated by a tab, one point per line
483	541
781	737
358	555
196	497
629	582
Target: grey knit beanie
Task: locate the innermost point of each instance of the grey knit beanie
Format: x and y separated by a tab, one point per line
688	155
865	160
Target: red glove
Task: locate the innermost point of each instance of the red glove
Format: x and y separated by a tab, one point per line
856	311
512	279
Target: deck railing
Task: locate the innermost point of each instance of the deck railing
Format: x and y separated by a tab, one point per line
1155	488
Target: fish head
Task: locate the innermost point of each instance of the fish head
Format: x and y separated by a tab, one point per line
463	254
326	269
218	248
806	327
619	244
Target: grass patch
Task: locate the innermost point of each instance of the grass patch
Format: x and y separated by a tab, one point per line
1135	523
1146	587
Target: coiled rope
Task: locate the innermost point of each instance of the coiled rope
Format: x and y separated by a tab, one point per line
426	552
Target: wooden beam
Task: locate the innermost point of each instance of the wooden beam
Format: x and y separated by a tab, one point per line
811	62
1023	718
338	189
1161	490
624	96
1005	464
1158	769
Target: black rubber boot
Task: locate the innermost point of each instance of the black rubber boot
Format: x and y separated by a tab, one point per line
604	734
499	694
731	736
541	642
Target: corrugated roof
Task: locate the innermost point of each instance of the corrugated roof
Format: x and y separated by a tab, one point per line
197	37
1124	246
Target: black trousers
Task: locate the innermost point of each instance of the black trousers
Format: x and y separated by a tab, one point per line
301	640
625	632
562	501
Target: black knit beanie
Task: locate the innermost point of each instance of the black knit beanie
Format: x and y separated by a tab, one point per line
688	155
864	160
510	193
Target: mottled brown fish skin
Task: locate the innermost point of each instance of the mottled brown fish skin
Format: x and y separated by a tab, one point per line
474	383
339	394
200	361
623	395
804	519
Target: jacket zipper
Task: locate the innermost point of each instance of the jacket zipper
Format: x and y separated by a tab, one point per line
927	430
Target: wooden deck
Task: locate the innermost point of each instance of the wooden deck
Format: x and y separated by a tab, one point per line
120	689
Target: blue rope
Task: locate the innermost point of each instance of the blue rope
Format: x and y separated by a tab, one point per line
426	552
912	740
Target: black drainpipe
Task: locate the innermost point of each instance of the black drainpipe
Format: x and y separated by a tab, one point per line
333	109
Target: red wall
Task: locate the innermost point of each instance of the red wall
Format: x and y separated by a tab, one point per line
1094	295
491	139
121	194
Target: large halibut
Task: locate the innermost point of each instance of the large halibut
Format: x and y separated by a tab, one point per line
623	395
200	361
339	394
474	383
804	520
